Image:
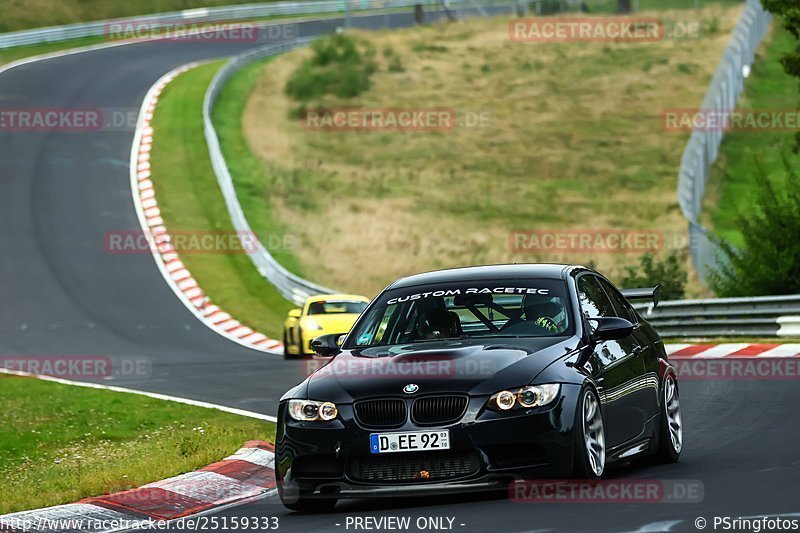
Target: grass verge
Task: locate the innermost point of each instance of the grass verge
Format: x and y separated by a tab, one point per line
190	200
551	155
60	443
732	185
20	52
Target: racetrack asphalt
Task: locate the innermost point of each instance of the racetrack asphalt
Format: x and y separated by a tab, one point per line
61	193
62	293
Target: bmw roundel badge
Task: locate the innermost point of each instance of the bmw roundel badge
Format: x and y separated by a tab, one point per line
411	388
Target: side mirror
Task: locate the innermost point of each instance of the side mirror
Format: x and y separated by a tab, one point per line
612	328
327	345
295	313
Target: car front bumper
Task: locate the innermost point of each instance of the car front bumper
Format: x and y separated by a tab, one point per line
488	450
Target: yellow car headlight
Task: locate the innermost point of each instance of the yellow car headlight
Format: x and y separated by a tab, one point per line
310	323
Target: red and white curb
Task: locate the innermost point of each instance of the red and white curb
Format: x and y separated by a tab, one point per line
174	271
241	477
732	350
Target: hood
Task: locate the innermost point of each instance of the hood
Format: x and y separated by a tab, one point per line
331	323
476	367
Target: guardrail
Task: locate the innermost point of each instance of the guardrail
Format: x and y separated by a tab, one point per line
761	316
703	147
291	286
200	16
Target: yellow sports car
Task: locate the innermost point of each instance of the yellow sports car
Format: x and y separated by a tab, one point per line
320	315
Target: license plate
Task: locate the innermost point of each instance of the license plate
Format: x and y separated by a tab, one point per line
409	442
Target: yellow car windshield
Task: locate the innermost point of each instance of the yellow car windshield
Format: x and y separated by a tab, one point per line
336	307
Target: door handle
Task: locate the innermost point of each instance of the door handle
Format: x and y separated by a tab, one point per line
638	349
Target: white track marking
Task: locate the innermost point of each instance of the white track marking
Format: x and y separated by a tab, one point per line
157	396
665	525
721	350
257	456
782	350
207	487
672	348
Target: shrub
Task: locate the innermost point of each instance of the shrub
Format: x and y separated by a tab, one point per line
395	65
669	273
337	67
769	261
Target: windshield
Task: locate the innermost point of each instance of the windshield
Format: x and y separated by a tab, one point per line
511	308
335	307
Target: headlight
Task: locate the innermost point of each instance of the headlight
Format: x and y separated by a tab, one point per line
309	410
504	400
312	324
524	398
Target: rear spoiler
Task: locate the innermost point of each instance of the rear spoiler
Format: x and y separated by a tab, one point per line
643	294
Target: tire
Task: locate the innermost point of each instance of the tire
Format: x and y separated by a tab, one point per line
286	354
586	464
294	501
300	351
670	426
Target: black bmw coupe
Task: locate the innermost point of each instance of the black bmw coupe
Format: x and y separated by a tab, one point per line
469	379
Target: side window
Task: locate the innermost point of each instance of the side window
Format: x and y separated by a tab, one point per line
594	301
621	307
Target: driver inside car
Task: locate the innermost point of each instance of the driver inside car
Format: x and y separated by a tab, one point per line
438	323
542	311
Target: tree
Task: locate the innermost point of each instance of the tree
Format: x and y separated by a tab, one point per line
769	261
789	10
670	274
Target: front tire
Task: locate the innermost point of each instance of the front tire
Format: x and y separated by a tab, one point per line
293	500
670	432
286	354
590	437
